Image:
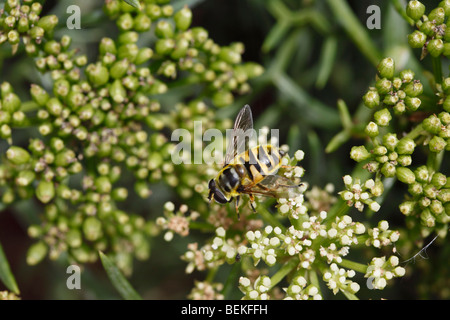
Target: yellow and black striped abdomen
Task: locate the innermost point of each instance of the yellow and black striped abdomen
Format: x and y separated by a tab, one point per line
260	161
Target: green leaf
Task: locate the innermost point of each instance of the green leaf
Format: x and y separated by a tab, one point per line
6	275
118	280
134	3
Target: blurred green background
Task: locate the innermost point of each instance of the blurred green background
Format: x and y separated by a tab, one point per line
314	53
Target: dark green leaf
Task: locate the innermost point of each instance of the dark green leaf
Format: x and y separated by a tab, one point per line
118	280
134	3
6	275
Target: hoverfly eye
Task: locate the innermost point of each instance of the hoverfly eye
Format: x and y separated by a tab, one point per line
219	197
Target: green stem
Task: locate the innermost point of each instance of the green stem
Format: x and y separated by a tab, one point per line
269	218
437	69
417	131
400	7
359	267
356	31
285	270
231	280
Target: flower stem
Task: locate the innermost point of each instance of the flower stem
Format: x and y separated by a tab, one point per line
280	274
359	267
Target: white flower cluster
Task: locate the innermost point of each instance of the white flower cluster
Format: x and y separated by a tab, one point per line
262	245
382	236
345	230
338	279
298	290
258	291
204	290
175	222
358	194
380	270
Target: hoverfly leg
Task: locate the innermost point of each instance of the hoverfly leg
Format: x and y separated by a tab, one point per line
252	200
236	203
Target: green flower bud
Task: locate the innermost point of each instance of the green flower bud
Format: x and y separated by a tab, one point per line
61	88
422	174
405	175
45	191
417	39
414	88
383	117
74	238
180	49
48	23
39	95
405	146
407	207
359	153
404	160
430	191
23	25
144	54
153	11
415	10
407	75
36	33
64	158
437	15
435	47
386	68
428	28
36	253
415	189
222	98
446	51
142	23
10	102
97	74
427	219
390	99
92	229
390	141
128	51
125	22
371	129
388	170
436	207
107	45
437	144
54	106
183	18
444	196
167	10
25	178
52	47
432	124
438	180
412	103
120	194
119	68
128	37
117	91
164	30
103	185
17	155
399	107
200	35
383	86
142	189
13	37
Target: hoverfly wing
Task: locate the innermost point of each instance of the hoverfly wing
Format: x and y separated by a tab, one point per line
275	186
241	134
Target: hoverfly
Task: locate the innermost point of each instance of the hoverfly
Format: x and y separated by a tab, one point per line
251	171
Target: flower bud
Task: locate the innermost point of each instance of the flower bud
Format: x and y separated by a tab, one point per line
422	174
383	117
437	144
142	23
144	54
414	88
117	91
45	191
415	10
97	74
386	68
432	124
405	146
183	18
412	103
417	39
103	185
128	51
92	229
17	155
438	180
359	153
437	15
383	86
435	47
371	129
407	75
39	95
36	253
10	102
48	23
125	22
388	170
405	175
415	189
107	45
24	178
407	207
119	69
164	30
427	219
